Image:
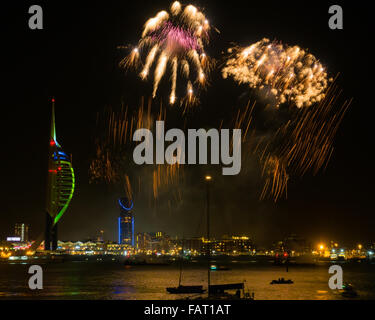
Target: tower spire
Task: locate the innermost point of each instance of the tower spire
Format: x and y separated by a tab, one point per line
60	186
53	126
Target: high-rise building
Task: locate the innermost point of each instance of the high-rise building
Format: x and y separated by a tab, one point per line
60	186
21	230
144	241
126	222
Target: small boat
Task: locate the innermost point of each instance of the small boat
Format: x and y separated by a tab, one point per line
219	292
348	291
281	281
186	289
214	267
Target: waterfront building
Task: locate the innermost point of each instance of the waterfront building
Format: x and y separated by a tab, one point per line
92	247
154	242
296	246
117	249
230	245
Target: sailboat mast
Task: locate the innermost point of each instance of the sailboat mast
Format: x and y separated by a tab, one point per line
208	179
181	257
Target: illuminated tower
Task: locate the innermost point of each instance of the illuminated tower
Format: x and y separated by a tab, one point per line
60	186
126	222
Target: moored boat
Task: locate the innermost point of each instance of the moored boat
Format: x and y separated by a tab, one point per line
282	281
348	291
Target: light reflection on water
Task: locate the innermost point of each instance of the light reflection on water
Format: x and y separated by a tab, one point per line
110	280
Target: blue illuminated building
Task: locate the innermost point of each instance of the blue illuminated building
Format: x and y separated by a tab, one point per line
126	222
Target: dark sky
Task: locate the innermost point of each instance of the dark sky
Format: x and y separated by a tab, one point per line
75	59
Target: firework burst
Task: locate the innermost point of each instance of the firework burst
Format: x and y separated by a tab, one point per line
174	41
286	74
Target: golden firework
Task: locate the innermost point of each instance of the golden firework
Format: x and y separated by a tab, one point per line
283	73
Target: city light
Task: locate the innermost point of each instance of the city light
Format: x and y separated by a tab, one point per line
5	255
208	178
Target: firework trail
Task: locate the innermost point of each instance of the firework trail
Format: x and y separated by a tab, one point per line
309	143
302	143
286	74
113	163
174	39
276	178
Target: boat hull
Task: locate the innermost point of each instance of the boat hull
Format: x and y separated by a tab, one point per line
186	289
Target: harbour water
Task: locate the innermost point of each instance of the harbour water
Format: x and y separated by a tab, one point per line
113	280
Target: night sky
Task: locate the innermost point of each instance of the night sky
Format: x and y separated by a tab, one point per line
75	59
